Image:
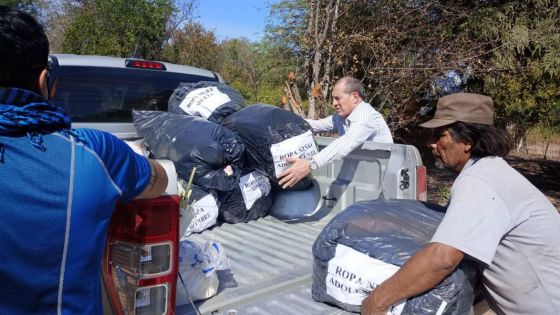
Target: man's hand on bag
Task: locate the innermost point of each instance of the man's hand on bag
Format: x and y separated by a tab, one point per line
300	169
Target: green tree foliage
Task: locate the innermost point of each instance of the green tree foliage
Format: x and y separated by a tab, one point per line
237	67
118	28
524	47
307	28
195	46
275	62
286	24
286	31
257	70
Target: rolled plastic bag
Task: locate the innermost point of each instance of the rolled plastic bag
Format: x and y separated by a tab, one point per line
368	242
271	135
199	213
250	200
189	141
211	100
197	267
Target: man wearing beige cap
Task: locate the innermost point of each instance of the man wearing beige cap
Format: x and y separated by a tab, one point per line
495	217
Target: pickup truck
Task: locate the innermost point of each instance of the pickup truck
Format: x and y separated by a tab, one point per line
270	259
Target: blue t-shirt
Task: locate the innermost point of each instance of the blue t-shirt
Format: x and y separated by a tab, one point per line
55	206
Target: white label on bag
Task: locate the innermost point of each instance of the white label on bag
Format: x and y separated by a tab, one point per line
204	212
302	146
253	186
204	101
352	276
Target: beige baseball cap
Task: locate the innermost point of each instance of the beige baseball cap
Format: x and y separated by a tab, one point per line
465	107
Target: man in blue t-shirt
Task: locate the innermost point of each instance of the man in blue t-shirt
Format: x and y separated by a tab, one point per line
58	186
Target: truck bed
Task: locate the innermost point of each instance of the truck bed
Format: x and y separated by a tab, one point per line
271	260
271	268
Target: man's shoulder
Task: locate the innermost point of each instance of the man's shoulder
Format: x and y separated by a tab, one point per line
487	166
94	137
496	175
366	107
365	114
101	142
364	111
129	171
92	133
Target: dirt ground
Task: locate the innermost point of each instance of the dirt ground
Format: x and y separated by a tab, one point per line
544	174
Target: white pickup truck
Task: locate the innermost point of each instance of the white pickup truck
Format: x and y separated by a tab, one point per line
270	259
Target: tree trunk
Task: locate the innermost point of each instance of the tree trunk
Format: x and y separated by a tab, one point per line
518	134
546	147
321	24
292	99
521	144
307	56
327	75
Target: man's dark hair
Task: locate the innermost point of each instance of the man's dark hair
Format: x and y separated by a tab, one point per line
24	48
485	140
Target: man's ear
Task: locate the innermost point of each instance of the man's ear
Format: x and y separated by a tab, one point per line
42	83
357	98
468	147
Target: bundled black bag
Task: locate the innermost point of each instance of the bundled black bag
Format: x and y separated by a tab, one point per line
249	200
211	100
266	129
189	141
369	241
201	211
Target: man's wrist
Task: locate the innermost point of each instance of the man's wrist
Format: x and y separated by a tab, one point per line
378	304
313	165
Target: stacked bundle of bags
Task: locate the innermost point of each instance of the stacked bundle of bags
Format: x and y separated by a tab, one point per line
236	150
236	153
368	242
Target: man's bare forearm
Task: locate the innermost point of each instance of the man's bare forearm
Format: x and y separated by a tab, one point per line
422	272
157	183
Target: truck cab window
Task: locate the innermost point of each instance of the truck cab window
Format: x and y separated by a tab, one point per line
98	94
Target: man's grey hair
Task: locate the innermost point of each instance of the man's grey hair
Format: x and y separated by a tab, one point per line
352	85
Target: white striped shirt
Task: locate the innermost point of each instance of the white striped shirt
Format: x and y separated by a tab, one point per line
364	123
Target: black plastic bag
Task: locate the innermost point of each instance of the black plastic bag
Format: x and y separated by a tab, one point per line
249	200
200	212
369	241
211	100
189	141
262	127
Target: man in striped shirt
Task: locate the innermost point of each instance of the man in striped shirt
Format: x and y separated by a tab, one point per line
355	121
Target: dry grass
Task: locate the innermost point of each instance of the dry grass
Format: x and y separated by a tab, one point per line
537	146
544	174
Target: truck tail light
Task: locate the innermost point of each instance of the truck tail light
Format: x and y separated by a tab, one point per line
421	183
139	266
143	64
